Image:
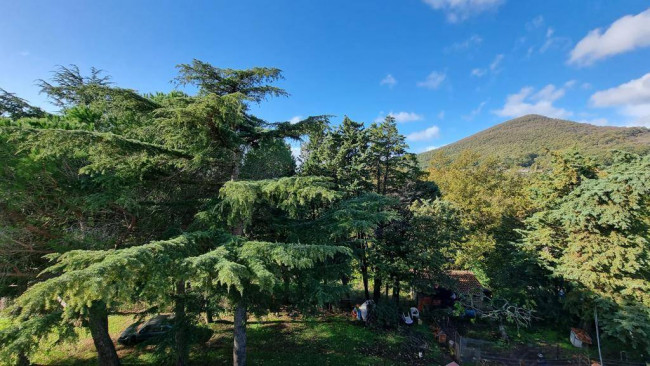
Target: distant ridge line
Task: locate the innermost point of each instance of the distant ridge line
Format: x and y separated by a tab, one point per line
519	140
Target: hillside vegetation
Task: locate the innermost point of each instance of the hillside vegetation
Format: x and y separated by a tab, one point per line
123	206
521	139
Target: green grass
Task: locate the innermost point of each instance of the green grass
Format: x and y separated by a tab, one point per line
551	336
331	340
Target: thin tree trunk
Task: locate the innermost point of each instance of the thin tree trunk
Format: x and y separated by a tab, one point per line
396	288
236	161
23	360
376	291
385	185
346	302
98	324
239	342
364	276
181	336
239	329
287	286
209	316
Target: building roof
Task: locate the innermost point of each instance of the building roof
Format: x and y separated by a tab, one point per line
466	281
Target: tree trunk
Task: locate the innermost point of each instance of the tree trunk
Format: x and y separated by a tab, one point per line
376	291
346	302
396	292
23	360
345	280
181	336
364	277
239	329
236	162
209	316
239	343
98	324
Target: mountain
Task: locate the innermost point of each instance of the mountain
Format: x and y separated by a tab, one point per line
521	139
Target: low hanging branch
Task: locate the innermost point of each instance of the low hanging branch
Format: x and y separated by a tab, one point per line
105	137
501	310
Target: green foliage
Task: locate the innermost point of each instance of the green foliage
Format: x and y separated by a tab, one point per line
491	198
254	268
190	202
15	107
252	83
340	154
140	168
521	140
268	160
593	235
392	168
359	217
434	233
84	277
384	315
291	194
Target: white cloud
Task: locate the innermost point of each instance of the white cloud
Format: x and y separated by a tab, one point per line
429	148
632	99
552	42
388	80
586	86
625	34
459	10
548	93
470	42
549	32
640	123
492	68
476	111
535	23
596	121
633	92
441	115
527	102
424	135
400	117
295	119
478	72
530	51
570	84
495	64
433	80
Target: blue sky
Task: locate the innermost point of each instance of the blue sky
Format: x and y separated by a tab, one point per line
444	68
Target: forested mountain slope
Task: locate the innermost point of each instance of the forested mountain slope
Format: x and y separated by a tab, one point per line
521	139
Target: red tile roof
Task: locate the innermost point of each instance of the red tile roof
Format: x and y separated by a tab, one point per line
466	281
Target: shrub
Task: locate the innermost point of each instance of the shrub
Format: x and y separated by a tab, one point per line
384	315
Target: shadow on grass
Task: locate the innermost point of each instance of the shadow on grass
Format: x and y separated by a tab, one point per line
299	343
334	340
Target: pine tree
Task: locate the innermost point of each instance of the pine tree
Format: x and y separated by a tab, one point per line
592	232
189	148
392	171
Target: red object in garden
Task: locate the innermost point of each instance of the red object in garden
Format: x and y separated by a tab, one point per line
579	337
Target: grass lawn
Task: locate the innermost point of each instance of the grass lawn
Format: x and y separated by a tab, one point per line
331	340
551	337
